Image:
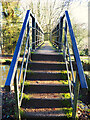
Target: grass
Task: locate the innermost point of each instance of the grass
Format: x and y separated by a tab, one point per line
9	60
2	60
84	59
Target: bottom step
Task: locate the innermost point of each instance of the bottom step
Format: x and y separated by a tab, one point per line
40	114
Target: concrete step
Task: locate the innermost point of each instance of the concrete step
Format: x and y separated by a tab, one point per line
45	103
44	115
47	57
46	66
46	88
35	75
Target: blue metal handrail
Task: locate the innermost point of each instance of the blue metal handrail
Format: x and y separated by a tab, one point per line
39	40
76	53
16	55
55	34
59	39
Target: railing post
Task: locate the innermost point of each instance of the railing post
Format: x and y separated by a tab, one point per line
65	34
36	35
33	32
76	92
60	32
57	34
51	37
28	29
16	89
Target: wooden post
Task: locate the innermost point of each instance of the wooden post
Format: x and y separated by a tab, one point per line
76	92
16	89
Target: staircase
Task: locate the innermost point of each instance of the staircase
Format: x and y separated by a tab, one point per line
50	86
45	86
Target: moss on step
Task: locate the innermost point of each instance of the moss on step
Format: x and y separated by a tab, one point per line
66	95
27	96
65	82
48	95
51	71
68	112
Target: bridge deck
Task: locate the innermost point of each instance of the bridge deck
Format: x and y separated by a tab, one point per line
47	49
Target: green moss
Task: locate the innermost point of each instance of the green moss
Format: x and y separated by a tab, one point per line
27	96
27	83
66	95
65	82
68	112
21	112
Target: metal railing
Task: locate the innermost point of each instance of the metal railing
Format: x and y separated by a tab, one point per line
32	37
60	40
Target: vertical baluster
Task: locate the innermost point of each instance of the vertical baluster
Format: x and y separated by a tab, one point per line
76	93
57	35
16	89
65	34
60	32
28	28
36	35
51	37
39	35
33	32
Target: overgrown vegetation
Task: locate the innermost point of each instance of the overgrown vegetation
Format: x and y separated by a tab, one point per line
47	14
11	26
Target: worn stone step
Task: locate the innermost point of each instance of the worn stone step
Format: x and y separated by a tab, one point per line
45	103
47	57
35	75
46	66
46	88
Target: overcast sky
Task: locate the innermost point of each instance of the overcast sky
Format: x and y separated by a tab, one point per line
78	9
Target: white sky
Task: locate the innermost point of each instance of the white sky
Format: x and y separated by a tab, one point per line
79	12
78	9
